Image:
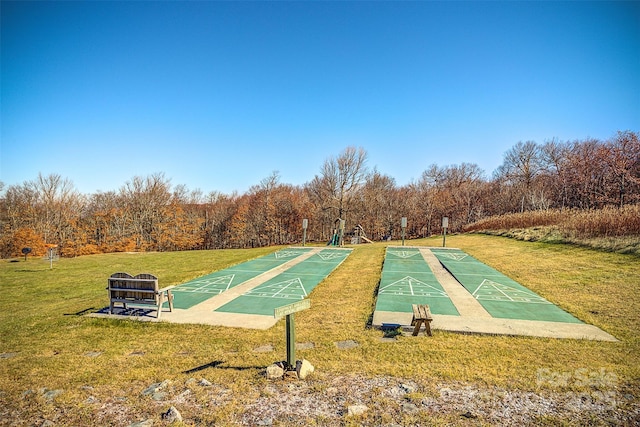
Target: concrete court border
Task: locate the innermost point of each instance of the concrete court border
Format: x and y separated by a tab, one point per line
203	313
475	319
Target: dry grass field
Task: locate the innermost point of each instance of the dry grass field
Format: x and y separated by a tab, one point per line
60	367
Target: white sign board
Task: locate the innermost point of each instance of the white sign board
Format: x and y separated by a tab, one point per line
445	222
291	308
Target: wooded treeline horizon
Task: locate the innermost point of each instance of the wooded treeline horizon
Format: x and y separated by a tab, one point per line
150	214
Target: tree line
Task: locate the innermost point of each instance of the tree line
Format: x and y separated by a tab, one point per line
150	214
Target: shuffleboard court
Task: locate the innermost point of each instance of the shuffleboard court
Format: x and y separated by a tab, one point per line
500	295
407	279
289	286
201	289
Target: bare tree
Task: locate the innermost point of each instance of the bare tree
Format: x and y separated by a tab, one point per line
376	205
147	201
624	165
343	175
522	164
554	161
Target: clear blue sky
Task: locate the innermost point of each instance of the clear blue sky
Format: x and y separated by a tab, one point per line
218	95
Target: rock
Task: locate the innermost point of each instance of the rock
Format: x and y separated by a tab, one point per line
172	415
355	410
204	383
145	423
159	396
47	423
275	372
304	368
183	396
51	394
155	387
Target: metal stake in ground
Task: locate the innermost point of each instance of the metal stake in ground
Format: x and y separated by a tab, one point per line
289	310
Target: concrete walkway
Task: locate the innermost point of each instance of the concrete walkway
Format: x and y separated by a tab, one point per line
466	304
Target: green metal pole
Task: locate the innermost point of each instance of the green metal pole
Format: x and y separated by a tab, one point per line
291	341
444	237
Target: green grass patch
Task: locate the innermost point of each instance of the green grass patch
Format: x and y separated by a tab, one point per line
47	342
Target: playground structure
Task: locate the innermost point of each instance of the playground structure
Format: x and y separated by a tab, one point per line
356	235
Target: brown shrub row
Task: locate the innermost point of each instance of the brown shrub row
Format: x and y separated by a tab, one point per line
605	222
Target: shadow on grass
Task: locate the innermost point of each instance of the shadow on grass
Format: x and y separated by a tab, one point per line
217	363
81	312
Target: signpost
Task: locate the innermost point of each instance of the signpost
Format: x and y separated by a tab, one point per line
289	310
403	224
26	251
445	225
305	224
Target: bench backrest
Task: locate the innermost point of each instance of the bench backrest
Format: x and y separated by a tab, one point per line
122	282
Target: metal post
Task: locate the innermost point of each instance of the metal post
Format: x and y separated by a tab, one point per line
445	225
291	340
305	223
403	224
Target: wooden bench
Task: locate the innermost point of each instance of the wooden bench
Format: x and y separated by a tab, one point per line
141	289
421	314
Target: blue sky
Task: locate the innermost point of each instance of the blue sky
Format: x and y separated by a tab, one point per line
218	95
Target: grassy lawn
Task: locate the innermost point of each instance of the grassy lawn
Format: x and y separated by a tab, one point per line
47	343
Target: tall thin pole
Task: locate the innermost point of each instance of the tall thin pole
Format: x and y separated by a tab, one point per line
291	340
305	224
